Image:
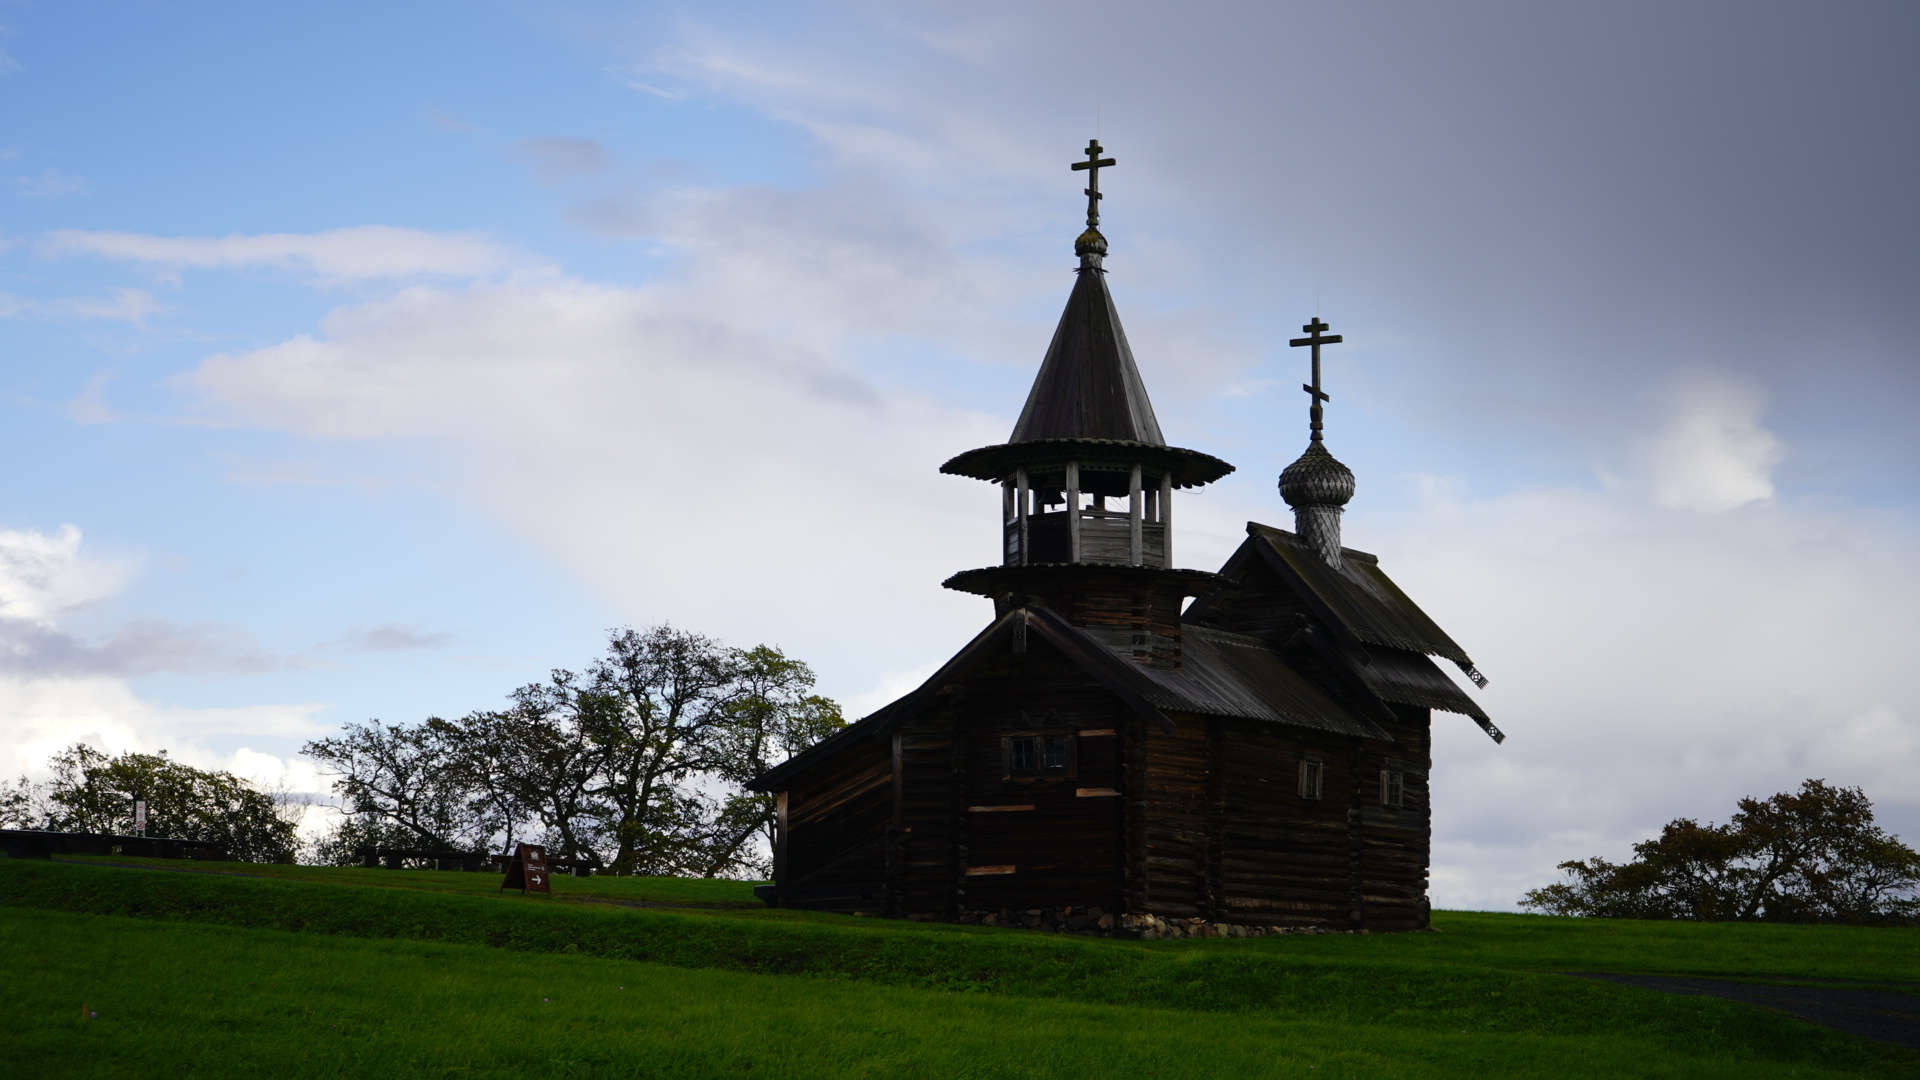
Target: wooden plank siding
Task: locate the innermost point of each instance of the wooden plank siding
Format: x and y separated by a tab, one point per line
1175	796
1396	843
1066	851
1206	820
833	839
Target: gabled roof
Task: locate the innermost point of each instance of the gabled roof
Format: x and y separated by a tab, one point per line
1386	638
1357	597
1221	674
1408	678
1227	674
1088	386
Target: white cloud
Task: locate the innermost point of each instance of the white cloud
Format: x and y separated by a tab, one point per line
391	637
121	305
57	689
361	252
51	183
556	160
43	575
1650	664
1715	455
45	716
703	447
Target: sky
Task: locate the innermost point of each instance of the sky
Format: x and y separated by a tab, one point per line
370	360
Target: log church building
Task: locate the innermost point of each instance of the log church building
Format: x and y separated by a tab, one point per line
1255	758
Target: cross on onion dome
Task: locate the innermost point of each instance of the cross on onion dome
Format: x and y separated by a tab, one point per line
1316	336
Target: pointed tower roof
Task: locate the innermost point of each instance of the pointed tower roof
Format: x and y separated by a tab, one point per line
1089	399
1088	386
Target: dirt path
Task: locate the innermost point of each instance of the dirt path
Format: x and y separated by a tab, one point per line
1876	1014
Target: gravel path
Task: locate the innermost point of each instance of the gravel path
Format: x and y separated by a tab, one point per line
1876	1014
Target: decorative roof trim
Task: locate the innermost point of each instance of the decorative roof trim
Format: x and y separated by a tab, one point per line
1189	468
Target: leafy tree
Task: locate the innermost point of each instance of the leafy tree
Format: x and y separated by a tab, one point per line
92	792
22	805
639	760
1803	856
402	784
675	723
775	717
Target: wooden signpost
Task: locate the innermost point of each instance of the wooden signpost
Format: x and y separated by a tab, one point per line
528	870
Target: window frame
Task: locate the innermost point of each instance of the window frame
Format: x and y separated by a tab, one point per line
1313	777
1393	788
1069	771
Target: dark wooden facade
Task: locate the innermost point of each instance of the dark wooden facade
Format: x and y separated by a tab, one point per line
1259	758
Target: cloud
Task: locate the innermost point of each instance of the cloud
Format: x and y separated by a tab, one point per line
558	160
391	637
90	406
713	424
358	253
57	688
1715	455
1651	663
141	646
447	121
50	184
45	716
122	305
43	575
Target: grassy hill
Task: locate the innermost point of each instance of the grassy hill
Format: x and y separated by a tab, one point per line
227	969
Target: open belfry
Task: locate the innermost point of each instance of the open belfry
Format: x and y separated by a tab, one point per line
1106	755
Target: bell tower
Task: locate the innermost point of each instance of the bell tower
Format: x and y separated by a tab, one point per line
1087	481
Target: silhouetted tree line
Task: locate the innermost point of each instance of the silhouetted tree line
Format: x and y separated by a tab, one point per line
639	760
91	792
1814	855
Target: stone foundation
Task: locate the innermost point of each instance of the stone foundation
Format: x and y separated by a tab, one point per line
1095	922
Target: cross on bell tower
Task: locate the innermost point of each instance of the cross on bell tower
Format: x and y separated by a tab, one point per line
1093	165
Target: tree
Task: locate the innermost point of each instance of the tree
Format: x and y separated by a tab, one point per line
775	717
675	723
639	760
92	792
22	805
1803	856
401	785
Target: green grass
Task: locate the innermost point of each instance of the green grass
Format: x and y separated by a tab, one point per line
179	1000
653	890
824	995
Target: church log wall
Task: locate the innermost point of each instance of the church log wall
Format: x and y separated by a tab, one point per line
1286	859
978	839
1174	798
1396	842
835	831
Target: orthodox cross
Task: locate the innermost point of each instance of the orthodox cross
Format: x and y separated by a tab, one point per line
1317	336
1093	165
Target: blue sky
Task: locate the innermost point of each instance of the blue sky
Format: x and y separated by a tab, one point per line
370	360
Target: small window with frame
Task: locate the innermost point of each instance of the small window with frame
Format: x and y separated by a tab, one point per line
1312	776
1393	788
1038	756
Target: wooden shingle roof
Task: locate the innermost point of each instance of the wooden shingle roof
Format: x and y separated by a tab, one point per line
1358	596
1220	674
1088	386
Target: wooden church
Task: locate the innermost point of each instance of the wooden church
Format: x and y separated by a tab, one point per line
1257	757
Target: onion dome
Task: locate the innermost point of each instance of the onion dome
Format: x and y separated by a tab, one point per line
1316	479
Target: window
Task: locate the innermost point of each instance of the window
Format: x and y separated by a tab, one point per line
1312	769
1393	787
1053	753
1030	756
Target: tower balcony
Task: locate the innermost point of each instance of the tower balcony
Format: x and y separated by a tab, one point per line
1064	515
